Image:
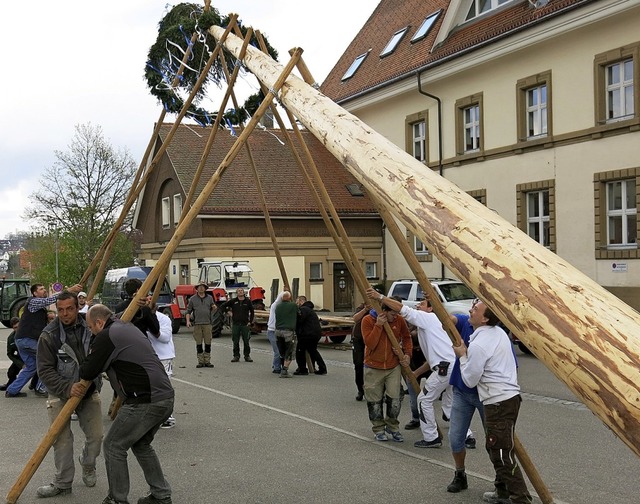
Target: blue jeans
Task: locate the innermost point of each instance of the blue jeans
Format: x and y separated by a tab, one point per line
134	427
27	348
462	409
271	335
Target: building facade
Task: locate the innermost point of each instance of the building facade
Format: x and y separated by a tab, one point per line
529	106
232	226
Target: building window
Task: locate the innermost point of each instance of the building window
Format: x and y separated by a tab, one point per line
166	213
535	212
480	195
315	271
371	269
619	82
538	216
393	43
534	106
479	7
617	73
425	27
177	208
616	213
469	124
354	66
419	248
416	135
622	221
419	140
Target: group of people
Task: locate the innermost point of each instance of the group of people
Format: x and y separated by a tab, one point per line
70	354
478	375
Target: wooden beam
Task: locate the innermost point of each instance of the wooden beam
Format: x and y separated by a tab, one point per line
585	335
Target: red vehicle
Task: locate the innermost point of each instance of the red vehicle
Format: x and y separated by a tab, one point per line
223	279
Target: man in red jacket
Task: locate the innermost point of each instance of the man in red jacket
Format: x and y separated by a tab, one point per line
382	371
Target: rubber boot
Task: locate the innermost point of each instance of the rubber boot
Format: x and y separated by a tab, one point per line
200	354
206	359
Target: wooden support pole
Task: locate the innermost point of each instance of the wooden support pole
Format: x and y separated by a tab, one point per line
442	314
180	231
575	327
160	153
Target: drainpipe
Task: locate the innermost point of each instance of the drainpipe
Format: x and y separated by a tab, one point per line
440	168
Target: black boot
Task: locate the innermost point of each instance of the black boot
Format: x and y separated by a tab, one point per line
459	482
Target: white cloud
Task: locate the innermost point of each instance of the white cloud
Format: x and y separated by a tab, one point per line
76	62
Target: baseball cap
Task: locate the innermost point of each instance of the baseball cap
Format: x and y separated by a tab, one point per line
82	294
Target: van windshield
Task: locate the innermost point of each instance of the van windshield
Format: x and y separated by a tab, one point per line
456	292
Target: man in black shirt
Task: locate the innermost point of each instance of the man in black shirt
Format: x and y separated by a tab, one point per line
241	316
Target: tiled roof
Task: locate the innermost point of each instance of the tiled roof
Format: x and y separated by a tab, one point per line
284	187
393	15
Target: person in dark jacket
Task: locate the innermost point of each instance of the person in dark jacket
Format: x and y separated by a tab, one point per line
309	332
140	380
242	314
13	354
62	347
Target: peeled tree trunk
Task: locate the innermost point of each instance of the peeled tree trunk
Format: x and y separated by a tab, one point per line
586	336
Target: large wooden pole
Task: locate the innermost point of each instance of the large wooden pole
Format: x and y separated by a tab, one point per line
585	335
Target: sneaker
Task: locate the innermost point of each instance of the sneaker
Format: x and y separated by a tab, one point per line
284	374
52	490
276	371
169	423
89	477
235	359
413	424
320	372
74	416
436	443
492	498
17	394
248	359
150	499
381	436
470	443
395	436
110	500
360	396
300	372
459	482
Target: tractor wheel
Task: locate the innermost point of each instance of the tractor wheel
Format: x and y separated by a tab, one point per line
18	308
337	339
217	321
175	323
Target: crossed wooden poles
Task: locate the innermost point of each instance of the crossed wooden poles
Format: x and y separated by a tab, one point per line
193	205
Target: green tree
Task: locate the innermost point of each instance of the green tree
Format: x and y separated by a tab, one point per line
79	200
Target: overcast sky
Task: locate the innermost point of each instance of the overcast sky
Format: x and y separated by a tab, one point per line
75	62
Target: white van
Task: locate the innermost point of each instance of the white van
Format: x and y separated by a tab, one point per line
455	296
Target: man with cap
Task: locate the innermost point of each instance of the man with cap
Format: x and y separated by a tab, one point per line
198	315
82	302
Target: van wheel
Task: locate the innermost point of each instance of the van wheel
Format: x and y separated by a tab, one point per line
337	339
217	321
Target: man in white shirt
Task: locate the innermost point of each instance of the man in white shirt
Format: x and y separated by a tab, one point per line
82	302
488	363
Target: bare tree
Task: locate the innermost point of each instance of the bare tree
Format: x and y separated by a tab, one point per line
81	196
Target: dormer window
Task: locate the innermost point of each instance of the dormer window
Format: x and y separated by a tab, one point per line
393	43
425	27
354	66
481	6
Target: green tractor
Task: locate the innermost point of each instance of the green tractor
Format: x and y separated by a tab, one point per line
14	293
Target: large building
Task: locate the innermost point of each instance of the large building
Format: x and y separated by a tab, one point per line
531	106
232	226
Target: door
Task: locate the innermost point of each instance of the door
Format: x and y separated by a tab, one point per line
342	288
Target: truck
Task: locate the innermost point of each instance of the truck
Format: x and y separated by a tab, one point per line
113	292
14	294
223	279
